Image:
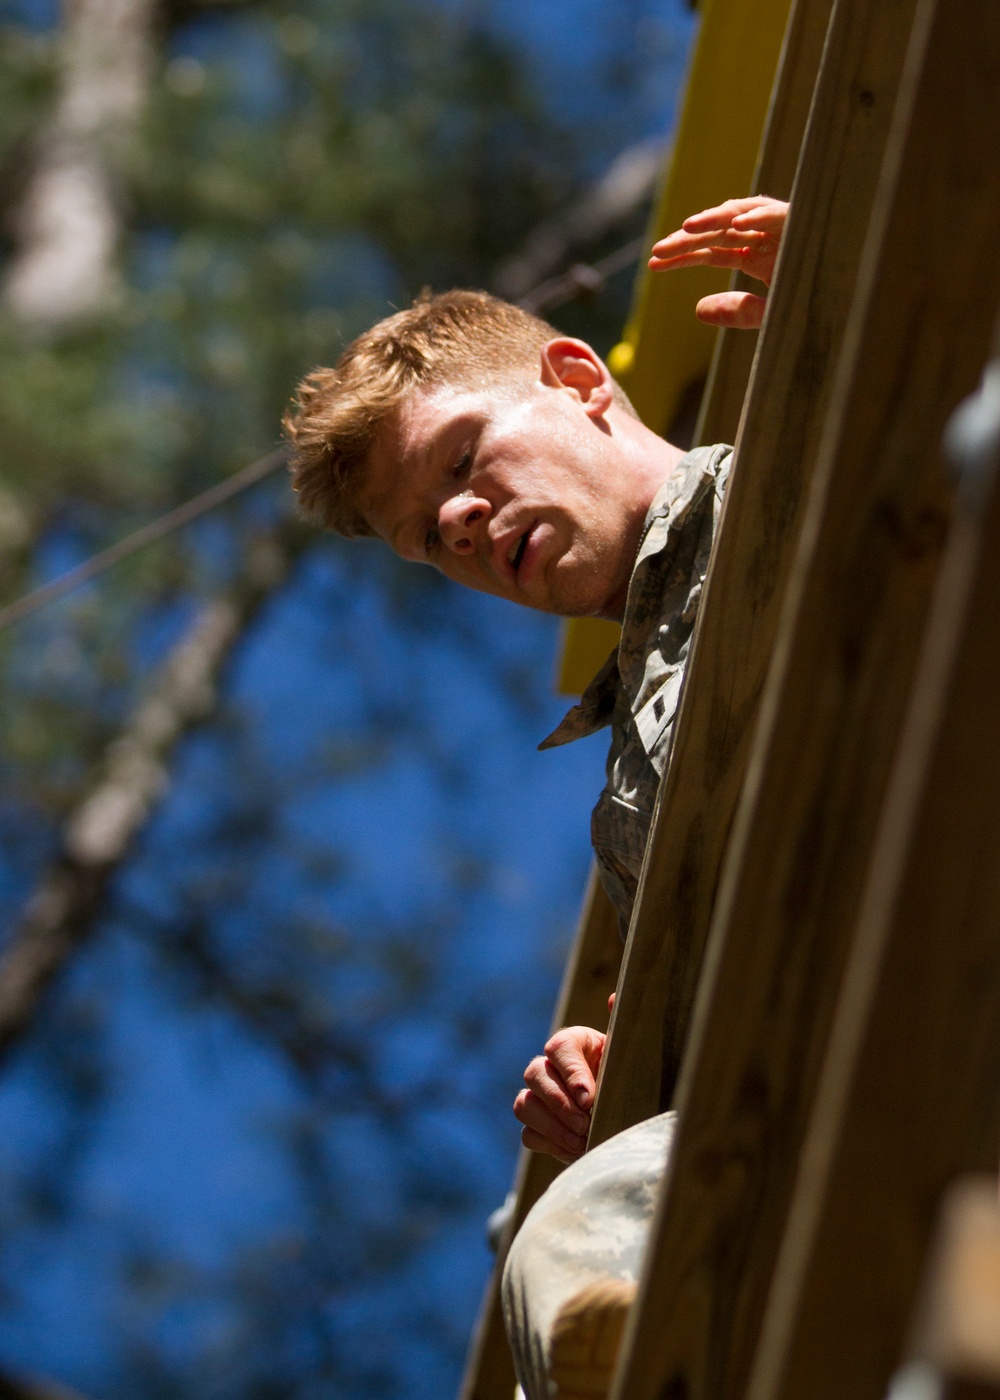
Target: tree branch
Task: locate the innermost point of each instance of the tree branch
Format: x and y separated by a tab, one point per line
133	777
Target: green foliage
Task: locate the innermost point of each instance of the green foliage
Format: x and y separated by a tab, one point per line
26	73
296	175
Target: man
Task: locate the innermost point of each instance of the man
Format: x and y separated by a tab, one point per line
473	437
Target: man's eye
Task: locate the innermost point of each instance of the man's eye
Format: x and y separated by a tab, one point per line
431	539
461	467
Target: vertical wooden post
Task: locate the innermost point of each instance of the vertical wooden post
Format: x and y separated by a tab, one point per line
865	568
910	1094
794	84
775	458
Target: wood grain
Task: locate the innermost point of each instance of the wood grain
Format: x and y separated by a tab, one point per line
910	1092
865	568
791	99
775	458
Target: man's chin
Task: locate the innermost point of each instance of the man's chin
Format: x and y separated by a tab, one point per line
577	591
585	597
587	604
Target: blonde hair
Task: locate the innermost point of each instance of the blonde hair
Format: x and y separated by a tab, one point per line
455	337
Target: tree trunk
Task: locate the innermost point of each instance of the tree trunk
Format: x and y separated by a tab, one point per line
100	832
68	224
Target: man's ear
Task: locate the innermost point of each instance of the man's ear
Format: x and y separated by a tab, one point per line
572	364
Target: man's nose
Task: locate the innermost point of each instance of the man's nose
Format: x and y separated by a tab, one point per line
459	521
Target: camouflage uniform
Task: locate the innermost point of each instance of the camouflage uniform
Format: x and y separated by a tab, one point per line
591	1223
637	689
593	1220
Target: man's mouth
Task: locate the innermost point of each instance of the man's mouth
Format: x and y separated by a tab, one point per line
516	552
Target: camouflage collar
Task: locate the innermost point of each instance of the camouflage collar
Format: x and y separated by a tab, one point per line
670	508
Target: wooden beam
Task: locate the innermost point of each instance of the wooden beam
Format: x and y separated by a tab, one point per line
587	983
910	1094
775	458
777	161
917	337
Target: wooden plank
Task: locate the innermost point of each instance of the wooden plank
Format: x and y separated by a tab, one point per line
732	362
910	1094
870	550
588	980
775	457
967	1388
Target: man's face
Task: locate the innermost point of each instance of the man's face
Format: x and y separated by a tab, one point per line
520	489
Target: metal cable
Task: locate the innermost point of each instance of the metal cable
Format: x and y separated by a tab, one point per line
146	534
582	279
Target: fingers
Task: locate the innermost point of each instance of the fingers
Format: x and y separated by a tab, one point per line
547	1084
543	1131
707	257
554	1108
537	1142
767	217
682	242
741	310
742	233
550	1117
722	215
574	1054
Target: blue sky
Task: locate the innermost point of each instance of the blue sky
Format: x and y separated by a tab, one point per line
457	845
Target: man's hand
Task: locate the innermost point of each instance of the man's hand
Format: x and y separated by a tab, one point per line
742	233
555	1107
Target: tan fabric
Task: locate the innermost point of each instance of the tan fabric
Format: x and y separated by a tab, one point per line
591	1224
586	1338
638	688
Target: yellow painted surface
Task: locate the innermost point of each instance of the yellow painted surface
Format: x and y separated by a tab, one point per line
664	347
714	155
586	645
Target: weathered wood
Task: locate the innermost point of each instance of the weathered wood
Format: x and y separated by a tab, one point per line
775	457
969	1388
791	99
587	983
870	550
910	1093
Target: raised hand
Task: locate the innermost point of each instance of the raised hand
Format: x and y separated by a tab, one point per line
555	1107
743	234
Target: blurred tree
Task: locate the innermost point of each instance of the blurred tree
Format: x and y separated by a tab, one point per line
292	173
203	201
68	222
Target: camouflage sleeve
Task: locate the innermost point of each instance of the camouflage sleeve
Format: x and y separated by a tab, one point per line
592	1223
